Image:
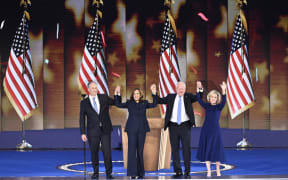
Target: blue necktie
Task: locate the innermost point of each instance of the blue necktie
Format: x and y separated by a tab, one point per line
179	111
95	104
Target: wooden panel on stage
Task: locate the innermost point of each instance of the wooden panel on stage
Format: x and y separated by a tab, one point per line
152	146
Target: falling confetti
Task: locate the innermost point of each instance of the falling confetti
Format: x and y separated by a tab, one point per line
202	16
256	74
57	31
103	39
2	24
116	74
193	69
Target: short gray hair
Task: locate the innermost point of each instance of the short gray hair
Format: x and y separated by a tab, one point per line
181	82
90	82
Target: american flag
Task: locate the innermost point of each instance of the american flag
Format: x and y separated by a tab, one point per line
19	79
169	73
240	94
92	65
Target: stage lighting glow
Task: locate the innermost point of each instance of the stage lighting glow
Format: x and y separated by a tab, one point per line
46	61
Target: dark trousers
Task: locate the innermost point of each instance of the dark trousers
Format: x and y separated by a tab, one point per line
94	143
180	133
135	166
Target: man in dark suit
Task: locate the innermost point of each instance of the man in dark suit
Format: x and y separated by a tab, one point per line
180	118
95	108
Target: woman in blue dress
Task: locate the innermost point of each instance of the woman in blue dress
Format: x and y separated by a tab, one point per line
136	128
210	147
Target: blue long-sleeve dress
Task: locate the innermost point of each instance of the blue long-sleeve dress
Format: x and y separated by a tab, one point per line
210	146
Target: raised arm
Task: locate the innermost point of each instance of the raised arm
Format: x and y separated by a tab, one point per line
163	100
199	88
199	94
117	98
154	95
202	103
111	101
223	87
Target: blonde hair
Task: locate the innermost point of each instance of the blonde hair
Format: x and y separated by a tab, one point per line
214	92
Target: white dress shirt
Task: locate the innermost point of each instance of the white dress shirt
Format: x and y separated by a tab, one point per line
184	116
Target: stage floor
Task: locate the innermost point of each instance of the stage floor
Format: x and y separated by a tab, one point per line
252	177
69	164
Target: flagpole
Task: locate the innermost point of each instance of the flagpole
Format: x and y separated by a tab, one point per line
169	35
243	144
24	145
96	4
169	40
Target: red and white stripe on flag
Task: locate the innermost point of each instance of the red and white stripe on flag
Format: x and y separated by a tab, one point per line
19	79
92	65
240	96
169	73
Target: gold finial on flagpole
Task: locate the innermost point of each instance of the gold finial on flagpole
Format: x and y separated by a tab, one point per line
25	4
242	3
98	4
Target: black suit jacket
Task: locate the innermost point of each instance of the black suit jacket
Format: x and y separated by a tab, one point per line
189	98
94	119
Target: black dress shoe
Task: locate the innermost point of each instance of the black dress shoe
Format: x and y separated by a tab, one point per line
187	175
109	176
177	175
133	177
95	176
140	177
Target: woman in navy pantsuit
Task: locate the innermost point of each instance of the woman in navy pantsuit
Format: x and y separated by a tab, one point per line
136	128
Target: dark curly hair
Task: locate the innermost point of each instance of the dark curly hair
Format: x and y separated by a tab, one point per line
132	95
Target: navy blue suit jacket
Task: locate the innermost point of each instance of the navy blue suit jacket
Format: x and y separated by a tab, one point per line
137	120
